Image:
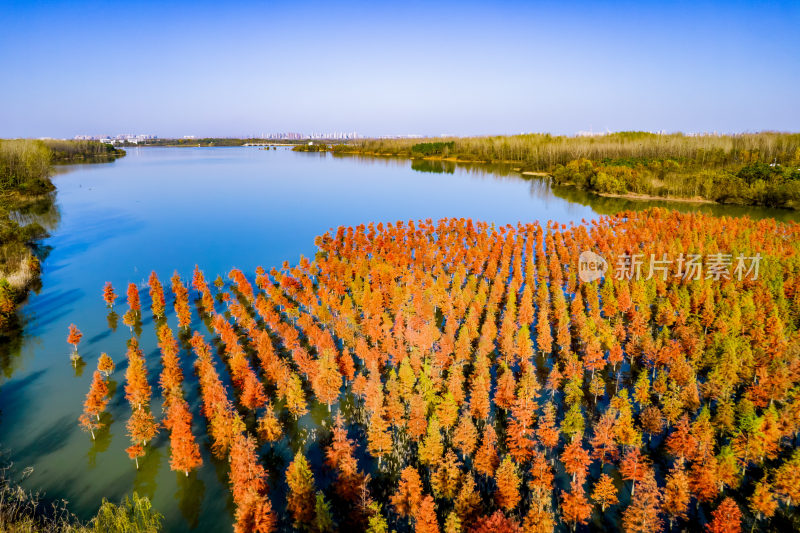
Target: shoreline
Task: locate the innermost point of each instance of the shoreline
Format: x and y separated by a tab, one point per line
650	197
541	174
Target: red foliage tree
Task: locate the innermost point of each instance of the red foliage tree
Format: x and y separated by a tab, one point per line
108	294
408	496
133	298
605	493
185	450
74	337
727	518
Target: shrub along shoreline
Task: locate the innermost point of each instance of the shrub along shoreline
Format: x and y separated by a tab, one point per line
25	187
746	169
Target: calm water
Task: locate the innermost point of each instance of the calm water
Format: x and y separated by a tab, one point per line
164	209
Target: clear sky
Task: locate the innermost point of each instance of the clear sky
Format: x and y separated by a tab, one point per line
462	68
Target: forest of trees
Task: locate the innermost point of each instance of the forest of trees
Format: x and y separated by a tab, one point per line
755	183
750	169
82	151
473	383
545	151
25	166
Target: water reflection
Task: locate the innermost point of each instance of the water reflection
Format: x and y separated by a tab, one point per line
438	167
41	210
145	481
542	189
609	205
113	319
190	494
102	439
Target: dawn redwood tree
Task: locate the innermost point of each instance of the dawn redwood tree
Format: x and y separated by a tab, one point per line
109	296
248	481
486	458
643	515
508	483
676	495
105	365
575	508
465	436
762	502
727	518
576	460
296	396
95	404
605	492
680	442
379	438
182	309
252	396
135	451
447	477
431	449
547	430
158	304
539	519
328	381
185	452
74	337
269	427
133	299
408	496
786	480
323	520
301	496
494	523
633	467
468	501
604	446
340	456
703	479
142	426
425	520
137	389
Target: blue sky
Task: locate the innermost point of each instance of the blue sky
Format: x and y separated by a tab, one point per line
460	68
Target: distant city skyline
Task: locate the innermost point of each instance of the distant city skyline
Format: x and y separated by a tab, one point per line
142	137
292	135
207	69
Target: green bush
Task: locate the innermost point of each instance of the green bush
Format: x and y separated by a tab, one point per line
132	515
434	148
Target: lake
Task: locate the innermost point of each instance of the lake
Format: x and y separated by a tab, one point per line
167	209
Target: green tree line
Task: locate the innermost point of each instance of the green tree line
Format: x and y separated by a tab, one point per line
544	151
748	169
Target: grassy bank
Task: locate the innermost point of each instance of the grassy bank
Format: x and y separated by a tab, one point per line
22	511
747	169
26	189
